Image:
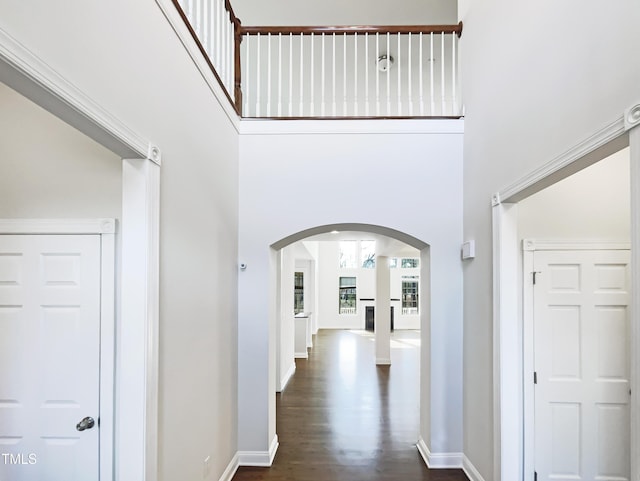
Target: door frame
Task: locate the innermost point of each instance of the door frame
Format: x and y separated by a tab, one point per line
529	247
508	373
135	454
106	229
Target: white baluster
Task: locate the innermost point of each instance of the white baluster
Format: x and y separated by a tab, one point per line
366	74
431	62
301	104
268	112
322	104
399	78
189	10
454	89
355	74
442	91
344	74
290	74
279	74
258	73
247	76
218	60
333	102
377	75
312	90
205	28
388	73
410	63
197	18
211	28
421	84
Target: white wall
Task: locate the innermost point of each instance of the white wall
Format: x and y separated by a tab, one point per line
127	58
529	97
291	182
49	169
591	204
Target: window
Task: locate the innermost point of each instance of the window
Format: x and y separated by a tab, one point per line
347	295
393	263
368	254
410	263
298	293
409	296
348	255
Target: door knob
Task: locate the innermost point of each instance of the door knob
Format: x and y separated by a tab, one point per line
86	423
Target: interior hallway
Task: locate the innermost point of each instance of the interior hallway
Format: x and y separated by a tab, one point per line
342	418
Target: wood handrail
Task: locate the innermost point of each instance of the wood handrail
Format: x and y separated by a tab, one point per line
351	30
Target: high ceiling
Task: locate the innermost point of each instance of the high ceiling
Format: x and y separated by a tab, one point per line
346	12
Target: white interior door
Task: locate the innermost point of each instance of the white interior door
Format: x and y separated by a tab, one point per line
581	361
49	357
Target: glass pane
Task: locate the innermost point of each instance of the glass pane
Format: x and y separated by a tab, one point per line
348	254
347	295
368	254
298	293
393	262
409	297
410	263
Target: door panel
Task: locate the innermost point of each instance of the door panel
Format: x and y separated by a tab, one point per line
581	358
49	356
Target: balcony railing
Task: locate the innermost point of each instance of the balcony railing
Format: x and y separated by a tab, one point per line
328	72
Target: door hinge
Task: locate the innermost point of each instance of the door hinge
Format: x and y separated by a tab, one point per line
535	377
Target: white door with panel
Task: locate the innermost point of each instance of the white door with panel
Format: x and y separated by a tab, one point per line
581	363
49	357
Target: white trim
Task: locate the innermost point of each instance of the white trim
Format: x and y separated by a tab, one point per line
137	364
259	458
105	228
34	79
57	226
574	245
507	356
470	470
506	342
181	30
383	361
232	467
601	144
287	377
351	126
107	353
634	143
438	460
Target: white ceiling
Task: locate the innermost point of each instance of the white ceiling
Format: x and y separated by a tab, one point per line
346	12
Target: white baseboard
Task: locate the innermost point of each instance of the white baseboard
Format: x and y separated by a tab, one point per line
287	377
231	469
259	458
439	460
301	355
383	361
470	470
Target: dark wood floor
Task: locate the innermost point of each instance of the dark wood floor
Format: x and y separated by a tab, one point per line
341	418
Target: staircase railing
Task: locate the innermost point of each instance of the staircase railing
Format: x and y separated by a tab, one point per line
328	72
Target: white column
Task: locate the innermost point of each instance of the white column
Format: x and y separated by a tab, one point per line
383	311
137	363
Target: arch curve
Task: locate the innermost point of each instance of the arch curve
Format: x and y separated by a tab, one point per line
371	228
